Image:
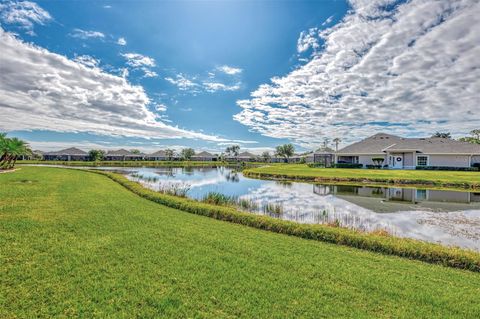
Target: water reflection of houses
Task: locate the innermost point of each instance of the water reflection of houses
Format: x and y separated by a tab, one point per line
383	199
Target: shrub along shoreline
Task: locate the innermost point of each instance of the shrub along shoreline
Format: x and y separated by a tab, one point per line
388	245
141	163
392	181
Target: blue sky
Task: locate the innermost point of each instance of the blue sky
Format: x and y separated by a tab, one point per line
152	74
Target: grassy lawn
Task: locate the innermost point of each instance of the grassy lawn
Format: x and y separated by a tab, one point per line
303	171
76	244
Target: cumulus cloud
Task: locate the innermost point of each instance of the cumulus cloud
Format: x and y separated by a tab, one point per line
217	86
308	40
194	85
41	90
86	34
183	83
24	14
141	62
121	41
229	70
410	69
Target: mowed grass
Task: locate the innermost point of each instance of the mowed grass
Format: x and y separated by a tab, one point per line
76	244
302	170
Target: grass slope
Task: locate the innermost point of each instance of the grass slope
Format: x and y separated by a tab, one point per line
77	244
435	178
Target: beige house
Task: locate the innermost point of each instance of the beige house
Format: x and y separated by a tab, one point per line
123	155
69	154
204	156
408	153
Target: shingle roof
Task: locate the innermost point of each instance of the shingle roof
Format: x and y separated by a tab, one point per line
246	154
324	150
381	142
68	151
203	154
122	152
160	153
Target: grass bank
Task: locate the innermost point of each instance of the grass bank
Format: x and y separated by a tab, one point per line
75	244
442	179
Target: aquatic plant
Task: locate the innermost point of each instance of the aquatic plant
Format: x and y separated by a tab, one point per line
273	209
175	189
216	198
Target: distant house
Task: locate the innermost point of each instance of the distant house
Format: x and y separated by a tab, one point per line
204	156
69	154
157	156
246	157
123	155
407	153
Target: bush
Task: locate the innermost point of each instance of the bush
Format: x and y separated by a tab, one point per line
403	247
476	165
369	166
348	165
446	168
316	165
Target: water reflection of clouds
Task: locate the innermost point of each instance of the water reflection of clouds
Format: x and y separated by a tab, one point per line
359	209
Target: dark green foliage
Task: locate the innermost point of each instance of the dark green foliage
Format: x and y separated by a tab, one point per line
347	165
447	168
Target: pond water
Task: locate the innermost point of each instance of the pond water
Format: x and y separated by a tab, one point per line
447	217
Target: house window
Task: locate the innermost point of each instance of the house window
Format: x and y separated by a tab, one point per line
422	160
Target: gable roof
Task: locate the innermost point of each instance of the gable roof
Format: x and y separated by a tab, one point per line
203	154
122	152
69	151
381	143
160	153
246	154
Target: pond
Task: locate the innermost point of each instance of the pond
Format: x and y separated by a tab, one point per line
446	217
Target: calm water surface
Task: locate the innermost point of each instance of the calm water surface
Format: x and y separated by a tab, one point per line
447	217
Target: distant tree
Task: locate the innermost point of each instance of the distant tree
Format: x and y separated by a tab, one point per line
442	134
96	155
266	157
337	141
232	150
169	154
285	151
187	154
135	151
474	139
326	141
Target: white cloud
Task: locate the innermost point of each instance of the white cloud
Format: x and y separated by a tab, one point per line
308	39
121	41
137	60
41	90
229	70
328	21
86	34
159	107
183	82
217	86
107	6
87	60
24	14
414	66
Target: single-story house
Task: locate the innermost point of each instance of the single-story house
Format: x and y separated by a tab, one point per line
407	153
324	156
69	154
123	155
161	156
246	157
204	156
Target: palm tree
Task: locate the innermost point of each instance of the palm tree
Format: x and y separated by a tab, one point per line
266	157
187	153
337	141
12	148
442	135
476	134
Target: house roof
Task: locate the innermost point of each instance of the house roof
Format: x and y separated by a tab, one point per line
122	152
68	151
324	150
203	154
246	154
160	153
382	143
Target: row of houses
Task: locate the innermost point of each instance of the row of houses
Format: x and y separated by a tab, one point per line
381	149
75	154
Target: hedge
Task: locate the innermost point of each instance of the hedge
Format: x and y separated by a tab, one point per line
347	165
447	168
388	245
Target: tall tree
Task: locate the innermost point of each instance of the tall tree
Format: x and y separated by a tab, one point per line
187	153
233	150
96	155
12	149
474	139
266	157
442	134
337	141
326	141
285	151
169	154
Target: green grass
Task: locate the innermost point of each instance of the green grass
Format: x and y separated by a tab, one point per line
76	244
418	177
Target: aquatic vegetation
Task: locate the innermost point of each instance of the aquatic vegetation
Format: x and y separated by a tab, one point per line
275	209
216	198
